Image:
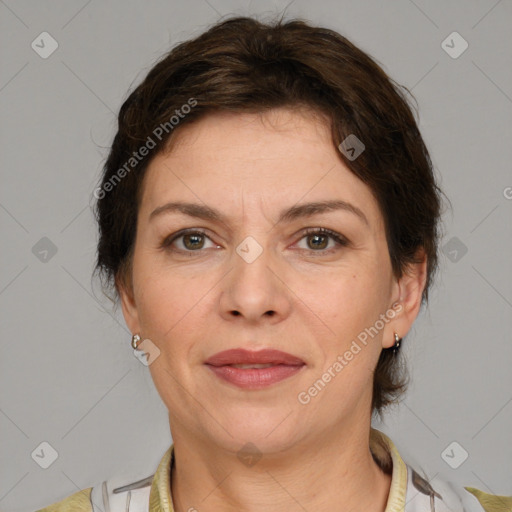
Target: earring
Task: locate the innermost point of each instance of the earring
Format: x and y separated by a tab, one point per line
396	346
135	341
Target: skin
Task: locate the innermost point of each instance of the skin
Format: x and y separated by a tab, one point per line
310	300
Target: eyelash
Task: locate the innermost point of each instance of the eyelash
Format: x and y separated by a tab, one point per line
342	241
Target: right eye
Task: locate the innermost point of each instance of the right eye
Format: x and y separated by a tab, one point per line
187	240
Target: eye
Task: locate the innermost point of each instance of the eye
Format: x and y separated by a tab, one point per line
187	240
317	240
194	240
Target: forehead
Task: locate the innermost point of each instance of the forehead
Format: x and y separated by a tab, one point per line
277	158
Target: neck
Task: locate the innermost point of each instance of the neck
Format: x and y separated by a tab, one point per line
335	471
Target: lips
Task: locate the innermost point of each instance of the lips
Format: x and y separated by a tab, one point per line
239	356
254	370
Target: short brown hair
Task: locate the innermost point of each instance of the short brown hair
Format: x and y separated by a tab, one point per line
244	65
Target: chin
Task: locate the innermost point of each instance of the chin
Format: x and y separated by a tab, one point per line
269	430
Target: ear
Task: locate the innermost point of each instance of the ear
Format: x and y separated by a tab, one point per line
131	316
407	299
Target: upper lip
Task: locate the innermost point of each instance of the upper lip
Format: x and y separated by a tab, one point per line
242	356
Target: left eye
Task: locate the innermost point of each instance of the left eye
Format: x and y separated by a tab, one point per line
318	240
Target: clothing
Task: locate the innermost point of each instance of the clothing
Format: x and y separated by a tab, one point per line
409	492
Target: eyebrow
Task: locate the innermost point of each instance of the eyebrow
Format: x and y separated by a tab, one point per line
295	212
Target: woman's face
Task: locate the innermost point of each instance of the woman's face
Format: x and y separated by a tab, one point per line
257	279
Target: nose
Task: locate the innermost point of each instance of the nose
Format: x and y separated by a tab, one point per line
255	289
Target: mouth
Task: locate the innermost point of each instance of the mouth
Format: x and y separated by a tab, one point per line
248	366
254	370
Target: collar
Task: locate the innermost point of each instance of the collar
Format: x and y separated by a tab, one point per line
384	451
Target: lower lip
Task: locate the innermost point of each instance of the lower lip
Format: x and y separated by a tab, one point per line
255	378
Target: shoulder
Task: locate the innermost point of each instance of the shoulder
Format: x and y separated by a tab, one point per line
78	502
443	496
490	502
127	493
413	492
116	493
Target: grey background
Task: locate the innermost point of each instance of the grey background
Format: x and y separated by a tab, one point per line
68	375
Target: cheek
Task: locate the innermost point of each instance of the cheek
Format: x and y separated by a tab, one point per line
349	306
170	305
160	301
348	299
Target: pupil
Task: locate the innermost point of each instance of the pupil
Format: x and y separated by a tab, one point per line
195	239
317	237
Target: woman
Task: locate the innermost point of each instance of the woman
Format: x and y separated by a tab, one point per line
269	219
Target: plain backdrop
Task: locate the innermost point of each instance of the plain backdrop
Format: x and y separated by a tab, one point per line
68	375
